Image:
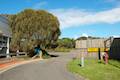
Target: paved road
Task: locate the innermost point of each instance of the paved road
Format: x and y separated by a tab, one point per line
52	69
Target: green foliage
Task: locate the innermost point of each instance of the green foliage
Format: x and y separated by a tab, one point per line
66	43
82	38
94	70
31	27
89	37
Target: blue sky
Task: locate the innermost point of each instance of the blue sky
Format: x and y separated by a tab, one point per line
99	18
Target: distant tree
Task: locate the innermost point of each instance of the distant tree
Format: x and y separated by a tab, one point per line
66	42
89	37
82	38
92	37
31	27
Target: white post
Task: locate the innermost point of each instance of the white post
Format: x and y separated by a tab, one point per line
82	57
82	61
17	52
7	52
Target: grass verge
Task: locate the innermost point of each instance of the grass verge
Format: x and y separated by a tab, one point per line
94	70
62	49
115	63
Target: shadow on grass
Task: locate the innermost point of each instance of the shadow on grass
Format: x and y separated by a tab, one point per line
80	65
101	62
115	65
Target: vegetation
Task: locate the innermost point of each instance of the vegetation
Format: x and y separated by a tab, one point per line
66	43
94	70
63	45
32	27
85	38
61	49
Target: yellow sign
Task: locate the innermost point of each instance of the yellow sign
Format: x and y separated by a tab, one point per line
96	49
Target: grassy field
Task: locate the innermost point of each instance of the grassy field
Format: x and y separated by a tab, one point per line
95	71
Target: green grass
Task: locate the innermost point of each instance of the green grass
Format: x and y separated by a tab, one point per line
23	58
115	63
62	50
94	70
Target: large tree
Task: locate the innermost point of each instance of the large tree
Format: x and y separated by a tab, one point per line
31	27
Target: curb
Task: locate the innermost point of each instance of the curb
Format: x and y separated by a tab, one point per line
2	70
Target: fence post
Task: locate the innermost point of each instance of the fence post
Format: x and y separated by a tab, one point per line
99	55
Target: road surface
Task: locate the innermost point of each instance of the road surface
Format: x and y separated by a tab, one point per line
52	69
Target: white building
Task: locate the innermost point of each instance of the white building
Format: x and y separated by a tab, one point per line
5	35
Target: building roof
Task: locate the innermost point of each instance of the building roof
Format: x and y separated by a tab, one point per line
4	27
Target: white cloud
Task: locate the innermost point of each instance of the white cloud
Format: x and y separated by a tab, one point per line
115	36
39	5
75	36
84	35
77	17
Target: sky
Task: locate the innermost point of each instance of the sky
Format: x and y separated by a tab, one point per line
100	18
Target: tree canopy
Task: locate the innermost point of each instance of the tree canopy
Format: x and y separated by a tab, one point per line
31	27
